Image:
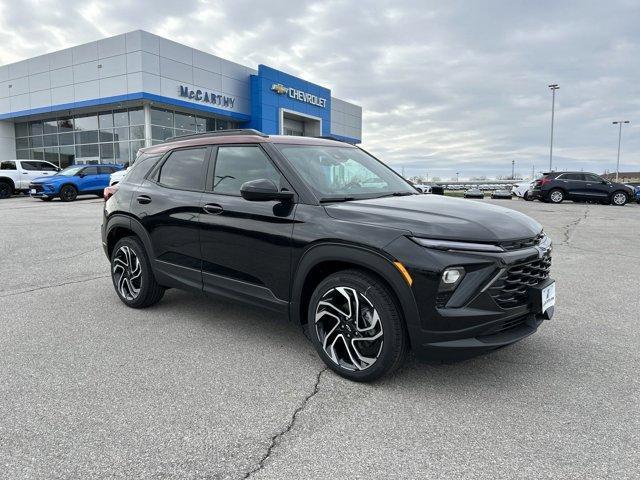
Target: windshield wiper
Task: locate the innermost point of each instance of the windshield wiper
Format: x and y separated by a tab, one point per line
336	199
397	194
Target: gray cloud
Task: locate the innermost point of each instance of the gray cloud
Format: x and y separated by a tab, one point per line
445	86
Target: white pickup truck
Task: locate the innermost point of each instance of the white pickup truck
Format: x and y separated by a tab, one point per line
15	175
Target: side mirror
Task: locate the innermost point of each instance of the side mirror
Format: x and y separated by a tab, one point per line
81	175
263	190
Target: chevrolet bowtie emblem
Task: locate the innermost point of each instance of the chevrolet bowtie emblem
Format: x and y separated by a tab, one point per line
279	88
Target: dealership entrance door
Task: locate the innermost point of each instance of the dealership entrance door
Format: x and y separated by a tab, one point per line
299	124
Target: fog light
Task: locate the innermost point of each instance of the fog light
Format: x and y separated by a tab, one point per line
451	278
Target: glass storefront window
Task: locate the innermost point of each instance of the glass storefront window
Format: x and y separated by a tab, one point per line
185	121
122	150
65	139
136	116
121	131
161	133
50	126
22	129
35	128
67	156
86	122
87	152
50	140
161	117
137	132
65	125
105	120
106	152
51	155
35	142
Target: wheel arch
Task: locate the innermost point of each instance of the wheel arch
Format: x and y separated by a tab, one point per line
8	180
120	226
324	259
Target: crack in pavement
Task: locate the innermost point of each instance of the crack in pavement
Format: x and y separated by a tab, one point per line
276	438
44	287
569	228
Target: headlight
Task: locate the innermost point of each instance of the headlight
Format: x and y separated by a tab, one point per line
452	245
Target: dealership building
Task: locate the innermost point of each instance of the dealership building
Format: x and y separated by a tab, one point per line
101	101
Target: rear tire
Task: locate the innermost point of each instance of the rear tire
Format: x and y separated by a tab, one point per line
68	193
6	189
556	196
356	326
132	274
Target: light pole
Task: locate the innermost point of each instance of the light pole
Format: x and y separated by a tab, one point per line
553	88
619	123
513	169
457	177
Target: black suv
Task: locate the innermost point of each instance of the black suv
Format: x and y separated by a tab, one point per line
555	187
331	238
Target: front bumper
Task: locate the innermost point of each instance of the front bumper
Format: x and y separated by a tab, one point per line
37	190
477	316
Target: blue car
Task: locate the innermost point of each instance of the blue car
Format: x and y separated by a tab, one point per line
73	181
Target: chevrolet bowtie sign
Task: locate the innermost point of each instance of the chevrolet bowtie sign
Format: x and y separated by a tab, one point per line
207	97
299	95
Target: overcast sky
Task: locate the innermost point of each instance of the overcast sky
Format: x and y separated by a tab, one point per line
444	86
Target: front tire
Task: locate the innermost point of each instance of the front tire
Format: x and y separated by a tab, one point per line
68	193
356	326
132	275
556	195
619	199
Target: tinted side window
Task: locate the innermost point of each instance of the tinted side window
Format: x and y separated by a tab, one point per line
30	165
236	165
45	167
105	170
90	171
7	165
141	167
572	176
183	169
590	177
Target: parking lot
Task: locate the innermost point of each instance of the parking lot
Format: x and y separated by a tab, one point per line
197	388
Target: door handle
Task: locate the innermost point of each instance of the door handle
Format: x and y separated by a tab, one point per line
213	208
588	184
25	173
143	199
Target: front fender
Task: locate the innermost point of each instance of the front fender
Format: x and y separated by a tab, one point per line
358	256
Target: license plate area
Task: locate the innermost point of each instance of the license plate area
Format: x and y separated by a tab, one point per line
543	298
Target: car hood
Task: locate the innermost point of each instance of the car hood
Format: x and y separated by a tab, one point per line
436	216
51	179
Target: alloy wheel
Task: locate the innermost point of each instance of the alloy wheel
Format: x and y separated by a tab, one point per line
349	328
619	198
556	197
127	271
68	193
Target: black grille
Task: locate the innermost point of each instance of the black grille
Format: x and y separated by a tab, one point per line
37	187
525	243
511	324
510	289
442	298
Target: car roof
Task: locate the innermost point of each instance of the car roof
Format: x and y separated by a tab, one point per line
239	137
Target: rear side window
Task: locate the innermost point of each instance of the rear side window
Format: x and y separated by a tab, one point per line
571	176
105	170
183	169
592	178
143	164
90	171
7	165
237	165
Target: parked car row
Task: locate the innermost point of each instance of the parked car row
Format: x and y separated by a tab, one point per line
556	187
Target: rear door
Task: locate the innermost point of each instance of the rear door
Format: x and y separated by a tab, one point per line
104	172
168	204
246	245
32	169
572	183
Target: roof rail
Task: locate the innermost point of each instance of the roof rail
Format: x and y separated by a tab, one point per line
218	133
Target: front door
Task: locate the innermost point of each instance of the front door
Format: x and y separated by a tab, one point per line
246	246
596	187
32	169
168	204
89	179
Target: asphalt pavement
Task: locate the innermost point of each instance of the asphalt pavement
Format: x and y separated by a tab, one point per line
210	389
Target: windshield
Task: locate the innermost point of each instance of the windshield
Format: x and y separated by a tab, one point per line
344	173
70	171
